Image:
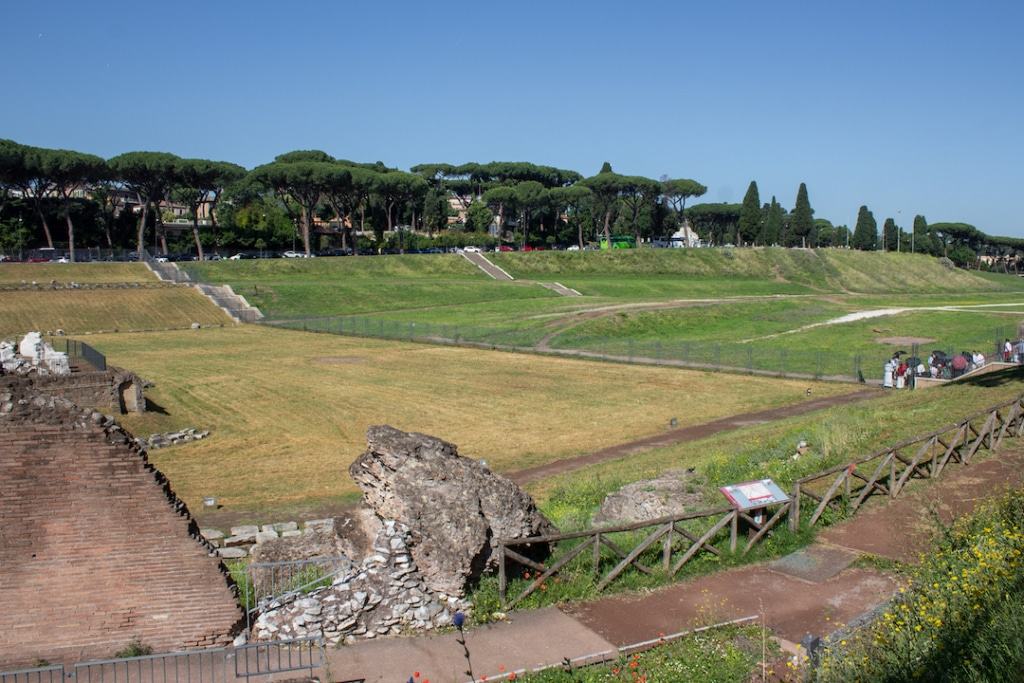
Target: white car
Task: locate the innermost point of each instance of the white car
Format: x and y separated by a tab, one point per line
236	257
573	247
472	250
293	254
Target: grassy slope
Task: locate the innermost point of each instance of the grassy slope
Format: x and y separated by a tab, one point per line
283	435
78	311
770	270
289	288
834	436
75	272
764	450
755	322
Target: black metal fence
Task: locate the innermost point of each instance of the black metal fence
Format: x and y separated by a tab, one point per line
79	353
213	665
749	358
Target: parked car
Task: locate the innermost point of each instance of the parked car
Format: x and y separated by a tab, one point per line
293	254
573	247
471	249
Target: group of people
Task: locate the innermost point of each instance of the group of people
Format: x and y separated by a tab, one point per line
1013	352
900	373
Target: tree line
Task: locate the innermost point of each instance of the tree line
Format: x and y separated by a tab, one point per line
121	202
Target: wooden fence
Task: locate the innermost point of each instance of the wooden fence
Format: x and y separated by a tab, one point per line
885	472
679	545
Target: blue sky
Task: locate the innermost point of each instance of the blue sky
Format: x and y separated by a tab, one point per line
908	107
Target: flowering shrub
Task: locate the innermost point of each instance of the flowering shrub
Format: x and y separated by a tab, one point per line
957	618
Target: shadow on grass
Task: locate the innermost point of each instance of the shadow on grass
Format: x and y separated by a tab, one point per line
154	407
995	379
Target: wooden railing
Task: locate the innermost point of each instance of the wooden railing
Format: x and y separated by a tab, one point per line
887	472
679	545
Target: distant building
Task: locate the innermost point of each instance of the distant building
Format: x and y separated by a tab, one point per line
685	236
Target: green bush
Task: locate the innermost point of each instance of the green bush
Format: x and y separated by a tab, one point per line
958	617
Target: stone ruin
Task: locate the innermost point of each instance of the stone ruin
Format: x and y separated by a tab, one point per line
96	550
32	355
672	493
428	531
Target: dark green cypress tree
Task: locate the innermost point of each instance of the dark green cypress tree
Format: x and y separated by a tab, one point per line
865	234
772	233
803	219
605	168
890	235
750	215
919	240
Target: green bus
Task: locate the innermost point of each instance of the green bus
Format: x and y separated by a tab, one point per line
620	242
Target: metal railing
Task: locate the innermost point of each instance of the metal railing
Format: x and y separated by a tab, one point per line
285	580
190	666
39	674
261	659
214	665
79	352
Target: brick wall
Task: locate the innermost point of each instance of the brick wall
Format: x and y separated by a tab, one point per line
114	389
95	548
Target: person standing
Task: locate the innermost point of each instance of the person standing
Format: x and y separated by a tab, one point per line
887	374
1007	351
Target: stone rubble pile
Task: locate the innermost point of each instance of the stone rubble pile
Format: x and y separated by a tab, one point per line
426	532
155	441
385	594
32	285
241	540
32	355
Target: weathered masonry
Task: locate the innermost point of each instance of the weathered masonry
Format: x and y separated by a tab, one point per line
113	389
96	551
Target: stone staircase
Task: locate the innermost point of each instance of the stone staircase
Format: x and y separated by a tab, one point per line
233	304
222	296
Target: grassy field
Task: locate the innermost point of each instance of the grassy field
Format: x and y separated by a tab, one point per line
79	311
14	273
289	410
772	326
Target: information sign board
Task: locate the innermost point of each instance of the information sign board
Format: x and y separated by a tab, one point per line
754	494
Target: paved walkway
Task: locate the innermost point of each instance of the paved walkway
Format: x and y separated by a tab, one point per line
812	591
484	264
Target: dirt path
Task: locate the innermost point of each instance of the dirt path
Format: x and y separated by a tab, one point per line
885	312
691	433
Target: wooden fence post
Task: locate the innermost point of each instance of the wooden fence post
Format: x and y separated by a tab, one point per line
734	530
666	549
502	579
794	510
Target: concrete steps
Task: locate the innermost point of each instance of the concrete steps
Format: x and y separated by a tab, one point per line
233	304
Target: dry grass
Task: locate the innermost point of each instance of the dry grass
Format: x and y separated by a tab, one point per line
78	311
289	410
75	272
